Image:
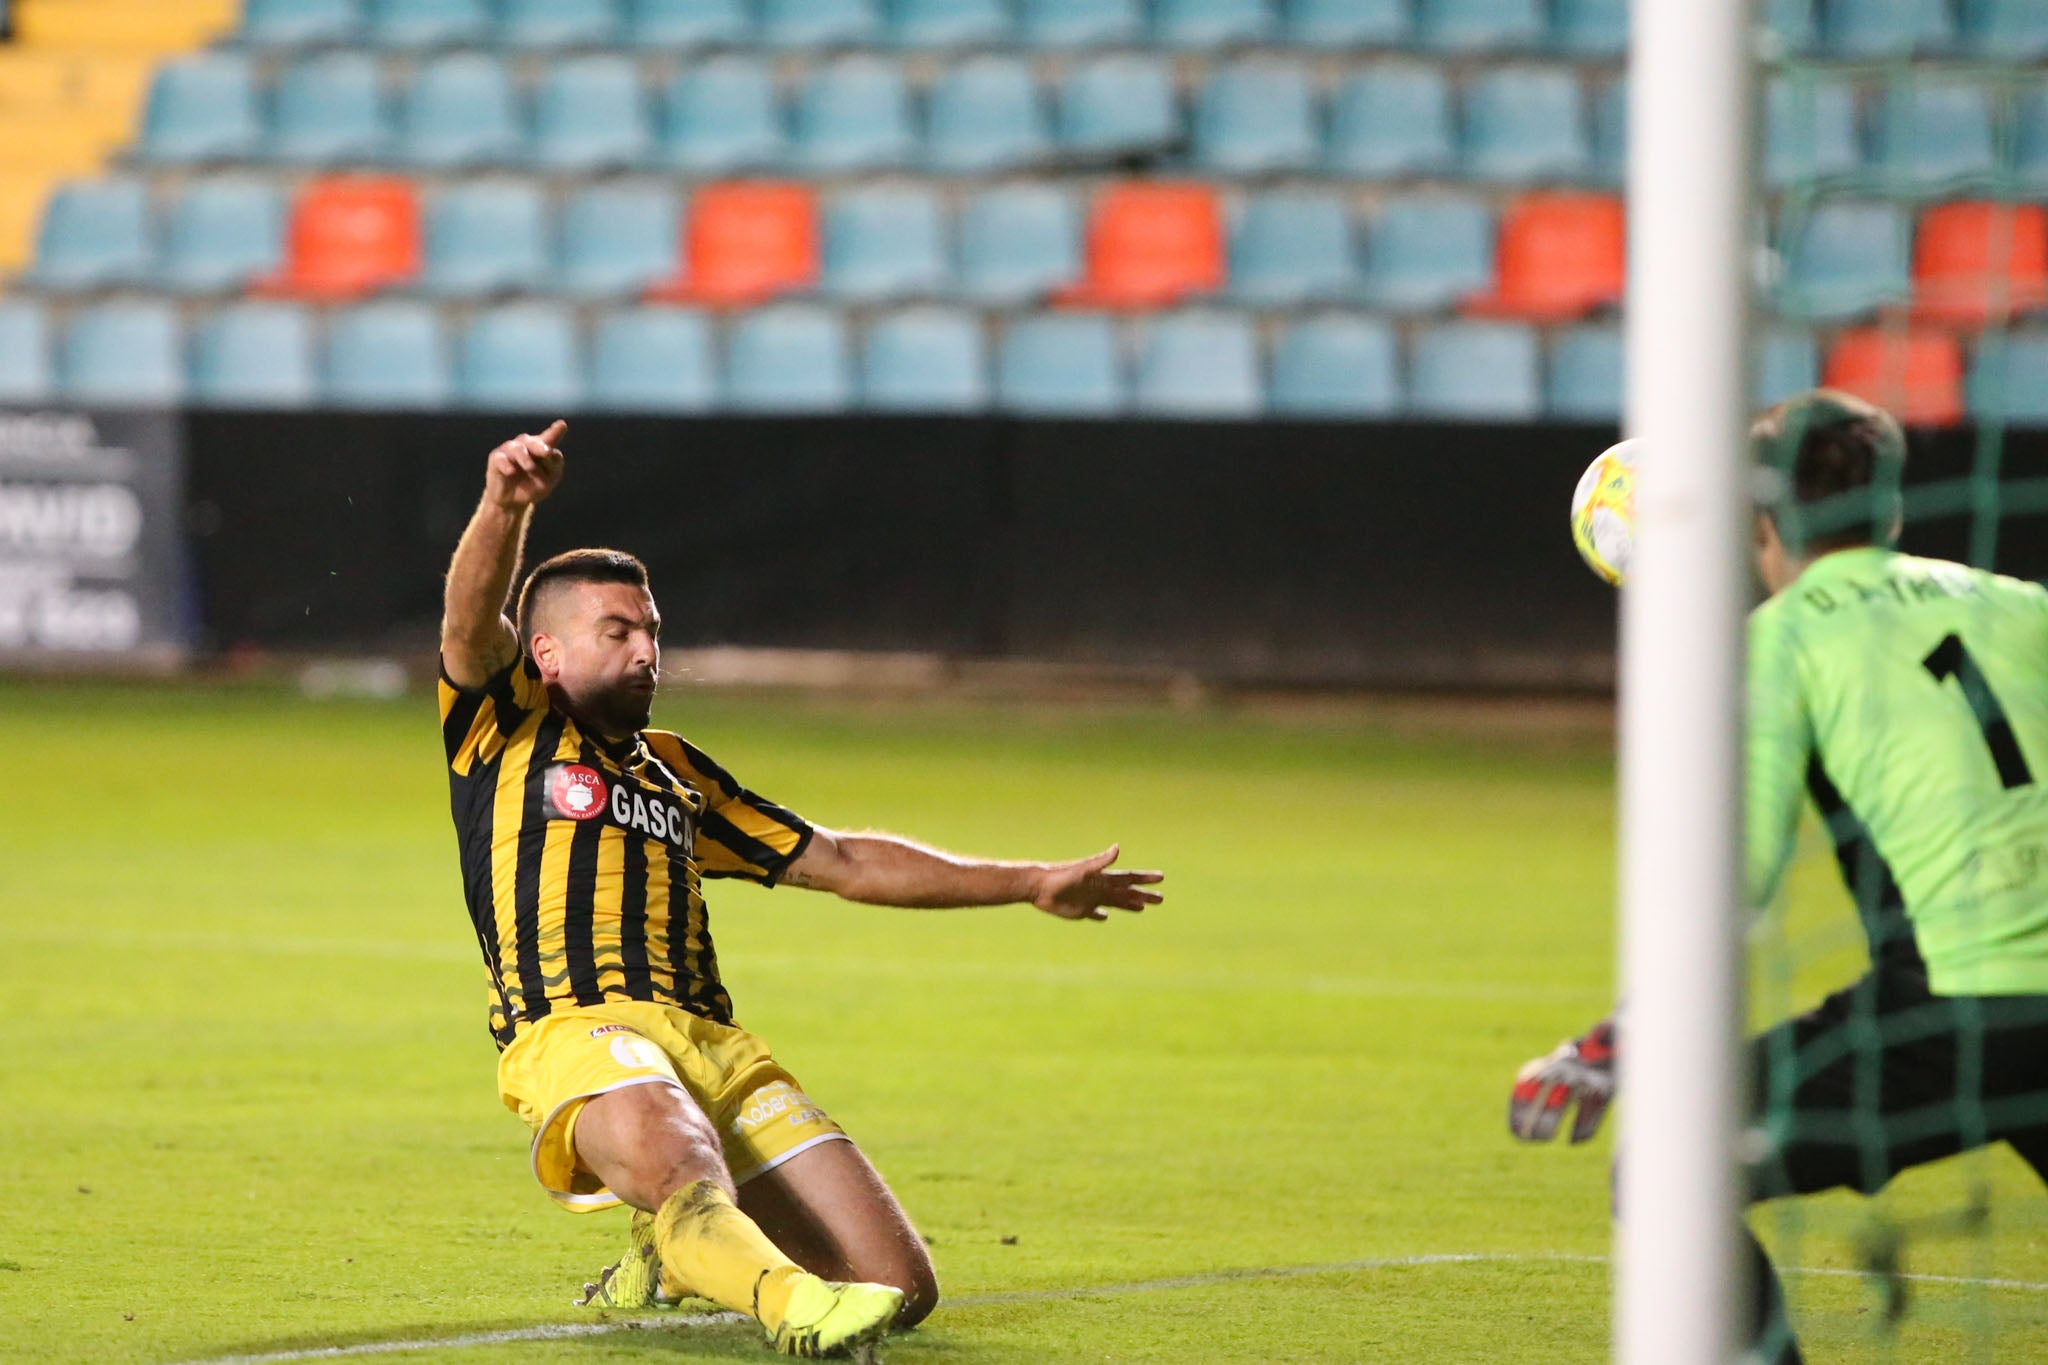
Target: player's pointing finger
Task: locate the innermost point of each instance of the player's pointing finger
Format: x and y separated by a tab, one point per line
557	429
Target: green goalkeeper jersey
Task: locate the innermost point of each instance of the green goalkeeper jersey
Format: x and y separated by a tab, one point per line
1909	698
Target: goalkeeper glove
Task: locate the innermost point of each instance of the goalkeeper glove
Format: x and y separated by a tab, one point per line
1581	1069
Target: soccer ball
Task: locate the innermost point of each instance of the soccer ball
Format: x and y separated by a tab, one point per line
1604	511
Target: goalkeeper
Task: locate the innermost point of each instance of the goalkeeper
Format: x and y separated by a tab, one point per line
1909	699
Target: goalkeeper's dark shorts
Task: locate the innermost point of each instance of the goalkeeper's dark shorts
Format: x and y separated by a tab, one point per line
1884	1076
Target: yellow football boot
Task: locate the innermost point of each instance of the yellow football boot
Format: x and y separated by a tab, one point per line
825	1318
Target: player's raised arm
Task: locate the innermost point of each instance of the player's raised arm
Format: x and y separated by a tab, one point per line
476	637
882	869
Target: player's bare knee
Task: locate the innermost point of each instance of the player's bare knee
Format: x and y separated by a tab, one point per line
920	1295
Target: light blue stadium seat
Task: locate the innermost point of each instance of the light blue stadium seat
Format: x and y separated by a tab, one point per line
1809	131
1117	107
1610	133
387	355
986	114
1843	259
885	243
1791	25
27	374
2030	149
95	234
300	23
330	109
1348	23
950	23
1932	133
591	114
687	24
1256	116
1525	124
788	358
1481	25
2008	379
819	23
256	355
1476	372
1590	28
1293	247
1886	28
723	115
618	239
223	232
1784	362
1337	366
461	112
925	360
1065	364
1199	364
546	24
1585	382
488	237
1393	119
1018	243
1083	23
1214	23
202	108
2008	30
521	357
1425	254
430	23
653	360
128	354
854	114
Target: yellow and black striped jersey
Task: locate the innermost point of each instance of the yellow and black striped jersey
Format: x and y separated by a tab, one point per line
581	859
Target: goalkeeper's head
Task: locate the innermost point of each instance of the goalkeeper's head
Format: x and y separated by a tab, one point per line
1829	467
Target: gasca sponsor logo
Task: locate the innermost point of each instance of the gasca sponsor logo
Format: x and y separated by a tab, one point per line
652	815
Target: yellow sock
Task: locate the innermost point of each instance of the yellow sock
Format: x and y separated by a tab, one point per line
722	1254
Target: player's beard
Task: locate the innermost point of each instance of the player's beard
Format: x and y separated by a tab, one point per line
619	711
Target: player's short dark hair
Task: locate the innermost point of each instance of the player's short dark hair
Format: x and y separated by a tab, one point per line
1834	462
575	566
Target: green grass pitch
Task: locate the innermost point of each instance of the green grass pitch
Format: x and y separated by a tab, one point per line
248	1099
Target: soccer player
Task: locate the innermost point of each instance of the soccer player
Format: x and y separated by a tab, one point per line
583	836
1908	698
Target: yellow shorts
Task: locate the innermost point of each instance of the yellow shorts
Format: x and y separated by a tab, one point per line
576	1054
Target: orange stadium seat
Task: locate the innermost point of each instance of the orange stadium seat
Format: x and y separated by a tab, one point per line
1916	373
349	236
1150	245
1561	256
744	243
1973	262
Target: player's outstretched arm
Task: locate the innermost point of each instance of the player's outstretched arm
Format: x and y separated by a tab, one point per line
476	638
881	869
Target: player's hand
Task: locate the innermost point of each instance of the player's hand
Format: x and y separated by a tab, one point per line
524	470
1582	1070
1081	889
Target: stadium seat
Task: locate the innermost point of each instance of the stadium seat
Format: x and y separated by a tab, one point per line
486	238
1069	365
1119	108
1018	243
1337	366
1885	28
202	108
387	355
653	360
1254	117
1293	247
330	109
1561	256
26	372
429	23
925	360
1976	262
723	115
559	23
789	358
618	239
854	115
1480	25
746	243
1336	24
1585	382
1427	254
255	355
2006	30
1933	134
590	115
1845	258
300	23
125	354
2030	151
521	357
95	234
683	25
1915	375
223	233
2008	381
1393	119
819	23
885	243
1790	26
1213	23
1082	23
1809	131
1786	363
986	114
1524	124
461	112
349	237
1150	244
929	24
1610	134
1199	364
1590	28
1476	372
